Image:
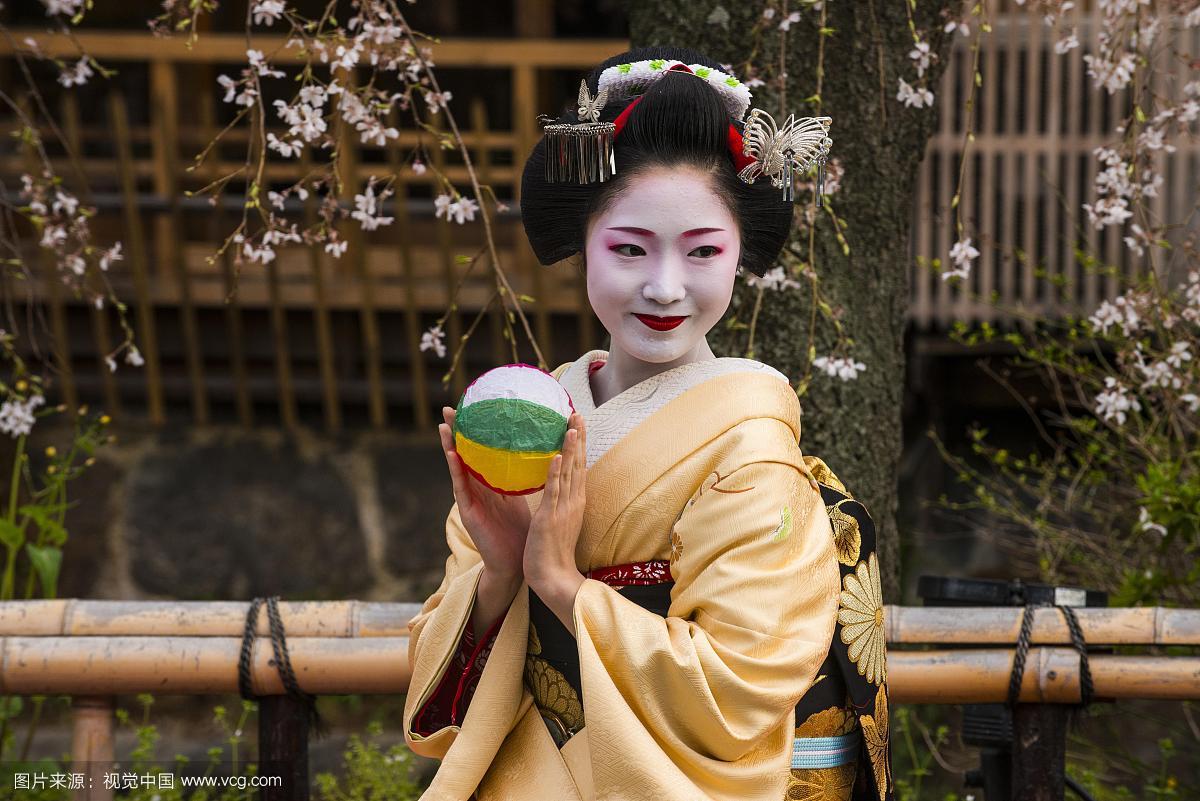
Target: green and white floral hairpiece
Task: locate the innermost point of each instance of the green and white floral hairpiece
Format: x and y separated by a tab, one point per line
623	80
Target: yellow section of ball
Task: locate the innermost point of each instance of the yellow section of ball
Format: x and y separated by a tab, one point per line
506	471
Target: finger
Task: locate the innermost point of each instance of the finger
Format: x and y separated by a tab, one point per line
457	478
581	432
567	468
550	496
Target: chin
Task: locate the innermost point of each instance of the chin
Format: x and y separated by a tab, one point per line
667	350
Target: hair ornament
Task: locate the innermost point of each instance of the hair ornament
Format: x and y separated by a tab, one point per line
782	152
581	152
623	80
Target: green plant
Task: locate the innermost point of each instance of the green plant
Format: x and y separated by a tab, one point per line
371	774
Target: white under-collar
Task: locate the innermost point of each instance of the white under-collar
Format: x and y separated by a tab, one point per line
612	420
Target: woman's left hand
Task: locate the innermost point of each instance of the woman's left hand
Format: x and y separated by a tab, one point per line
549	562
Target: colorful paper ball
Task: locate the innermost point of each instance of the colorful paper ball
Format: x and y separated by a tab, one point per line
508	425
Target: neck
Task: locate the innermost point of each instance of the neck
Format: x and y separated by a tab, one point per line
622	371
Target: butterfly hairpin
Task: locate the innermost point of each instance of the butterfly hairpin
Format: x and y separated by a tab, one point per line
589	108
780	152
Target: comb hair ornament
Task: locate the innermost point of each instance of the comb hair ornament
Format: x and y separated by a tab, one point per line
581	152
782	152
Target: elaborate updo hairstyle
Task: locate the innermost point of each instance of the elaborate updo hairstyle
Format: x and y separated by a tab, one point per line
680	121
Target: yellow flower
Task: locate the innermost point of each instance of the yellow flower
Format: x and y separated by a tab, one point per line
553	693
832	722
861	616
823	474
676	546
875	732
846	535
51	452
821	784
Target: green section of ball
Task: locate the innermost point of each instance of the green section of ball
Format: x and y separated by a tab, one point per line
511	424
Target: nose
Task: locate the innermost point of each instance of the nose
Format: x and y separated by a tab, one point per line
664	283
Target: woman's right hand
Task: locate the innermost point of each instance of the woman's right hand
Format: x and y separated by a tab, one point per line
497	523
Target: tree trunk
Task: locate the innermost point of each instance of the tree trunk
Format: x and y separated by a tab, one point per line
853	426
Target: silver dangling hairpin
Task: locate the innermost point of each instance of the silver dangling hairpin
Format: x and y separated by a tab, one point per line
781	153
581	153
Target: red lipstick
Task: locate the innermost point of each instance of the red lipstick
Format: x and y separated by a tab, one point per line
660	323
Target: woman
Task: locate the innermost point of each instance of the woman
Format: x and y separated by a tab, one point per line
644	626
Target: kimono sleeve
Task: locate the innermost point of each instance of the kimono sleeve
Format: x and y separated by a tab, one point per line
435	635
752	615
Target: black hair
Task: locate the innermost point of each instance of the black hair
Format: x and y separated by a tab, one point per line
680	120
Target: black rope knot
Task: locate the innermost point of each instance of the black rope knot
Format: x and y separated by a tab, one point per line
283	662
1086	690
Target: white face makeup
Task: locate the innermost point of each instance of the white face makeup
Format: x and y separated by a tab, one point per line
661	264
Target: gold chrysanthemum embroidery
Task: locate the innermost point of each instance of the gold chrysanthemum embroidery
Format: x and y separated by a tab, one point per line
875	732
832	722
676	546
823	474
861	616
535	642
784	529
552	692
846	535
821	784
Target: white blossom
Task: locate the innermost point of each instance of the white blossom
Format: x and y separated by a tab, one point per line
917	98
266	12
1114	402
1119	312
433	339
67	8
134	356
844	368
962	27
284	147
336	248
437	100
77	75
774	279
368	208
921	57
258	63
462	210
1067	43
1146	524
111	255
1192	400
418	167
16	415
1108	211
962	254
1180	353
1160	374
1112	76
243	98
789	20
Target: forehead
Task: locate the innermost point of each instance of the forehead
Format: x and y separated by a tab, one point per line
667	200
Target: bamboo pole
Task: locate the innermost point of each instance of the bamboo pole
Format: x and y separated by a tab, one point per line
71	617
339	665
903	625
92	744
980	676
1001	625
199	665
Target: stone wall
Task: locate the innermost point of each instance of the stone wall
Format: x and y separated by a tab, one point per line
230	514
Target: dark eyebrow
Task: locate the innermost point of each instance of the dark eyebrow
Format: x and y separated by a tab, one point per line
629	229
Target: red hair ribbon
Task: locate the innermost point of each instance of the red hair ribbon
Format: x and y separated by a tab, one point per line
734	137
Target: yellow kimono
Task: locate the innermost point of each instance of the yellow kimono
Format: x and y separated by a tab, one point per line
698	465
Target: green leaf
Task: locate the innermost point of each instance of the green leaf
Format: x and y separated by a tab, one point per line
12	535
46	561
